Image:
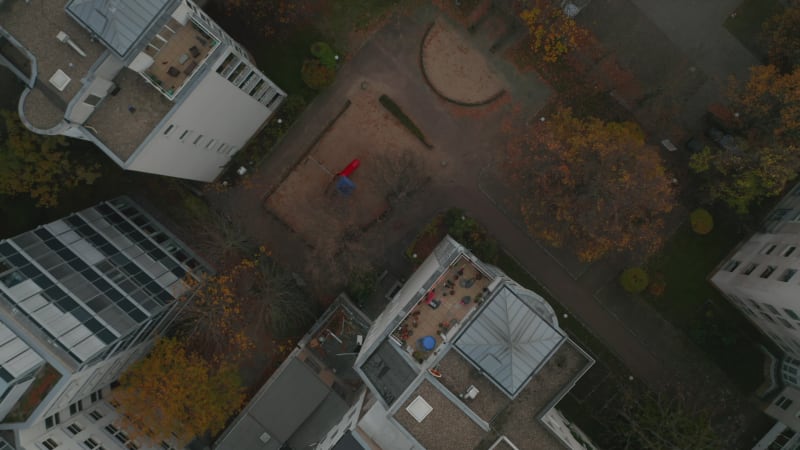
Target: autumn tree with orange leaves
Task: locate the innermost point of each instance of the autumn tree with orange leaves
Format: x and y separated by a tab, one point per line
591	184
781	34
553	34
213	313
174	394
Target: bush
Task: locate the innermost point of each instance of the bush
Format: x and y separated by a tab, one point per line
634	280
324	53
471	234
406	121
317	75
701	220
362	285
657	286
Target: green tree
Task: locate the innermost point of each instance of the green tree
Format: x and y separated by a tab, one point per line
173	392
766	157
38	165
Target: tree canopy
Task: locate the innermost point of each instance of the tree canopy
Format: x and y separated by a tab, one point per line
595	185
553	34
765	158
173	391
36	165
782	37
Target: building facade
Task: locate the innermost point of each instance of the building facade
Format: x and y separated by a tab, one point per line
81	299
760	278
156	84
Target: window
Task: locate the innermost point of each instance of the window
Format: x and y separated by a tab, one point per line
121	436
768	249
92	444
731	265
768	271
183	135
50	444
750	268
779	213
52	421
787	275
791	313
96	395
786	323
768	317
210	143
92	100
74	428
783	403
789	250
76	407
197	139
753	302
169	130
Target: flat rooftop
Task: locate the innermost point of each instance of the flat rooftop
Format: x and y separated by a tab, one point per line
35	25
446	427
516	419
124	120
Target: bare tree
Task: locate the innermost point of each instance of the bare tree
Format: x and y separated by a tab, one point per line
276	299
219	238
399	175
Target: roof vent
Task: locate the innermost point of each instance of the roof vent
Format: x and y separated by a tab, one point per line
264	437
419	409
471	393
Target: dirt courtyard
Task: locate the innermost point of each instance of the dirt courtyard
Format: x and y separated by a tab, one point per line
308	200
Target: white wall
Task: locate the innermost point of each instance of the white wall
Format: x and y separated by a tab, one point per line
215	109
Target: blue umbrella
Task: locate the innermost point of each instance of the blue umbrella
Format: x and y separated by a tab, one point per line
428	343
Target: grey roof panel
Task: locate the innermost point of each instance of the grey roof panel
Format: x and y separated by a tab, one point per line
314	429
348	442
289	401
119	24
509	340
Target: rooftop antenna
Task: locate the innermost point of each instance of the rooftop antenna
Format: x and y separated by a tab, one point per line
64	37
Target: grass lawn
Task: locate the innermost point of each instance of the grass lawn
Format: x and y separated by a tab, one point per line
282	61
746	26
694	306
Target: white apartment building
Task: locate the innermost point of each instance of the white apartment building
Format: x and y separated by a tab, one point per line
156	84
80	300
760	277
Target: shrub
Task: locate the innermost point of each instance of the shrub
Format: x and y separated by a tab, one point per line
701	220
634	280
469	232
324	53
406	121
657	286
362	285
317	75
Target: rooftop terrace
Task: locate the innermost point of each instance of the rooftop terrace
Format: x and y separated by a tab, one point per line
35	25
443	308
176	60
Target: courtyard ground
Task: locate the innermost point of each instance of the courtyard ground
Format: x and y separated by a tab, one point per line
468	144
